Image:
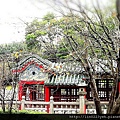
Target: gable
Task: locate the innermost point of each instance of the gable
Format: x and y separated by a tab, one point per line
32	68
33	72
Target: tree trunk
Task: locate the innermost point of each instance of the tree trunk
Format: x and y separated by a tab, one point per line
13	95
113	95
3	101
116	107
95	94
96	98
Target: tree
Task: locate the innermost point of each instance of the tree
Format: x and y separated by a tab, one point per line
101	44
13	47
91	38
48	17
7	79
46	36
9	57
41	36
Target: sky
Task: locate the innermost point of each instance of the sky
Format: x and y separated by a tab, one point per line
15	13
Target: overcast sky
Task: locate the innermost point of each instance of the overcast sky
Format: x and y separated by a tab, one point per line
14	12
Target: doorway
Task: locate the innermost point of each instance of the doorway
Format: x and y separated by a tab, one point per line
33	92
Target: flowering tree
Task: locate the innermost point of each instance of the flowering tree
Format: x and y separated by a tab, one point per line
8	82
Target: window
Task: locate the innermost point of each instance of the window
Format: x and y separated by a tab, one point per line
66	94
102	84
104	87
74	92
109	93
110	83
63	91
40	94
90	94
52	91
33	92
102	93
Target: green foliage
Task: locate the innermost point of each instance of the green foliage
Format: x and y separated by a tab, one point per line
49	27
39	33
30	112
30	36
48	17
70	27
22	112
12	47
31	41
38	29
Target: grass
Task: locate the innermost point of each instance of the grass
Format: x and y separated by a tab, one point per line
22	112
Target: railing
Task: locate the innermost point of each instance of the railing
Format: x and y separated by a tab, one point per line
7	103
91	109
36	106
51	107
66	107
45	107
56	107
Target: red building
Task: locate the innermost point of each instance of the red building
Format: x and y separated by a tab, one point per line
39	79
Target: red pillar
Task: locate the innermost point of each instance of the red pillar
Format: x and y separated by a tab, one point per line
119	87
20	89
85	104
47	97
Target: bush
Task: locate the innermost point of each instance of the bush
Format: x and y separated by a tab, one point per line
30	112
22	112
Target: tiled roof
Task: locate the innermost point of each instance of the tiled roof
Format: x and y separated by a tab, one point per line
101	66
72	67
36	58
66	79
32	59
